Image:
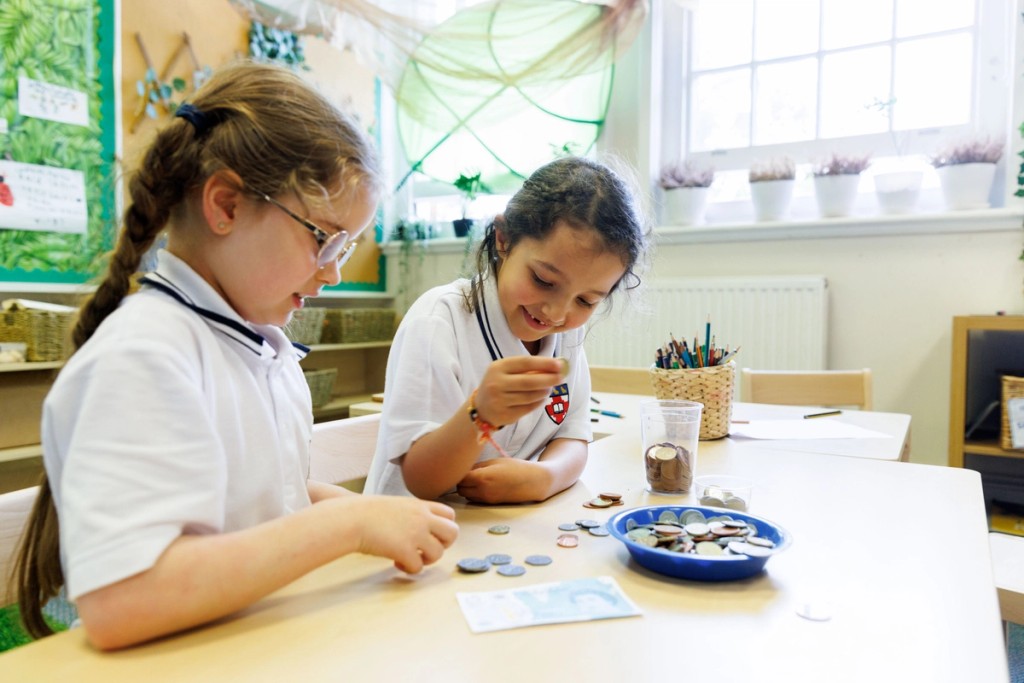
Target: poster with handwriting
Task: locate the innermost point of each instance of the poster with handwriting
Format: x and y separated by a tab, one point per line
52	102
34	197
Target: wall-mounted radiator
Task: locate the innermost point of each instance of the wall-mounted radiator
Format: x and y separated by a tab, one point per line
780	322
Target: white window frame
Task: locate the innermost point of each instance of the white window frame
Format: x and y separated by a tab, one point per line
996	30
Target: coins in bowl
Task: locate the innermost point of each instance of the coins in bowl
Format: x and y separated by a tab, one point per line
698	543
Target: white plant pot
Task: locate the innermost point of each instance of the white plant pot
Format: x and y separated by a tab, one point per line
836	193
685	205
897	191
771	198
966	186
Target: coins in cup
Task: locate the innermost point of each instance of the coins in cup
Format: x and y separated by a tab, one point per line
670	430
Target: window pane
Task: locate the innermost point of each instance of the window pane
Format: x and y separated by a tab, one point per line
785	28
914	17
786	102
722	33
933	82
848	23
851	82
720	111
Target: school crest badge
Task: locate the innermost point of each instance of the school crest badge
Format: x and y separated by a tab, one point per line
558	403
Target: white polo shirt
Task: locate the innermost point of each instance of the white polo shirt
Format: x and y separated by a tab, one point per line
176	417
439	356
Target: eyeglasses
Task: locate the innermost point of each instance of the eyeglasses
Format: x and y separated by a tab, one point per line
334	247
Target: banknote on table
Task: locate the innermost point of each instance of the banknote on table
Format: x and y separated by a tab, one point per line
546	603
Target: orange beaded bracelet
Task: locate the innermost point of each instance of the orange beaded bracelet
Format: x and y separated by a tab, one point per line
484	429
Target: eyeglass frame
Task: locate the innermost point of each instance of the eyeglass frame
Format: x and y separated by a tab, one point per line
323	238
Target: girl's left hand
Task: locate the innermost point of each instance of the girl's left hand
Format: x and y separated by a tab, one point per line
505	480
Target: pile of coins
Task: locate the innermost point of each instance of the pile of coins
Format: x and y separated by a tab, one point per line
692	532
669	468
717	497
592	526
604	500
503	562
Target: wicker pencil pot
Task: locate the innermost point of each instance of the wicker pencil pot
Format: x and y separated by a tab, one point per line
712	386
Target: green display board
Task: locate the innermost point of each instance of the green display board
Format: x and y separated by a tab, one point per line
57	140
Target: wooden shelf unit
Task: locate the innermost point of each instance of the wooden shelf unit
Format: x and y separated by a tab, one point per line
975	380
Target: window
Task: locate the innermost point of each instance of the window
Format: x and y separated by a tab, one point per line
754	80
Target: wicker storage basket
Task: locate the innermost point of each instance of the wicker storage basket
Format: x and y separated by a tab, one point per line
352	325
1013	387
306	325
321	383
712	386
45	333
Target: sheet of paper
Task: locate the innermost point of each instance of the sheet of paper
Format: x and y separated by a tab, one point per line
817	428
52	102
546	603
35	197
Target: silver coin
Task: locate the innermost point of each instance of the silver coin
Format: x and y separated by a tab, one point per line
749	549
598	530
499	529
587	523
697	529
761	541
538	560
499	558
511	570
568	526
708	548
473	565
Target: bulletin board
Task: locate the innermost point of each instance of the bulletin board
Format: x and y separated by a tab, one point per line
57	140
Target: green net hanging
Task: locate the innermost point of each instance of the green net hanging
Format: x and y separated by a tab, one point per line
499	88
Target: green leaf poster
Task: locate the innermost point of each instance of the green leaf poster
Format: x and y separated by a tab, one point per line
57	140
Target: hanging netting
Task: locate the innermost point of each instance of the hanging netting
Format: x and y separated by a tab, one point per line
496	89
499	88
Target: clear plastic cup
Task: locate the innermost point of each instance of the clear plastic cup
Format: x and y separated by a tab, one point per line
670	431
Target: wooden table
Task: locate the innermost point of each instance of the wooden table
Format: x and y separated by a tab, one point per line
895	553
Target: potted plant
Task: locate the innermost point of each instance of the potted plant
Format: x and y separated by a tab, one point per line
411	236
686	192
836	181
966	170
771	188
898	182
470	186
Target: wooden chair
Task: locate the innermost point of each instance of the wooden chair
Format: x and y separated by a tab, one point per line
342	450
1008	573
15	507
621	380
826	388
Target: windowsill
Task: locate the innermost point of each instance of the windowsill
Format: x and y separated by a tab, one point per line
985	220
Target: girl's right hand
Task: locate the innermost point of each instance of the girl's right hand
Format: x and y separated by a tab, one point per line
412	532
515	386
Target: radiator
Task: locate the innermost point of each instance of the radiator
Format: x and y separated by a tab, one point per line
781	323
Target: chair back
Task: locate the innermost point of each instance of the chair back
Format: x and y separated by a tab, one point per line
342	450
15	507
621	380
831	388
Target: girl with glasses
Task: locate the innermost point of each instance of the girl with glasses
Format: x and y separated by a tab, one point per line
487	386
176	437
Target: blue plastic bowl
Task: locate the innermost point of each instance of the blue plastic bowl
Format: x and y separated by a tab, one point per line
690	566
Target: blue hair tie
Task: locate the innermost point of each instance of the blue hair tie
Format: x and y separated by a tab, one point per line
200	121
